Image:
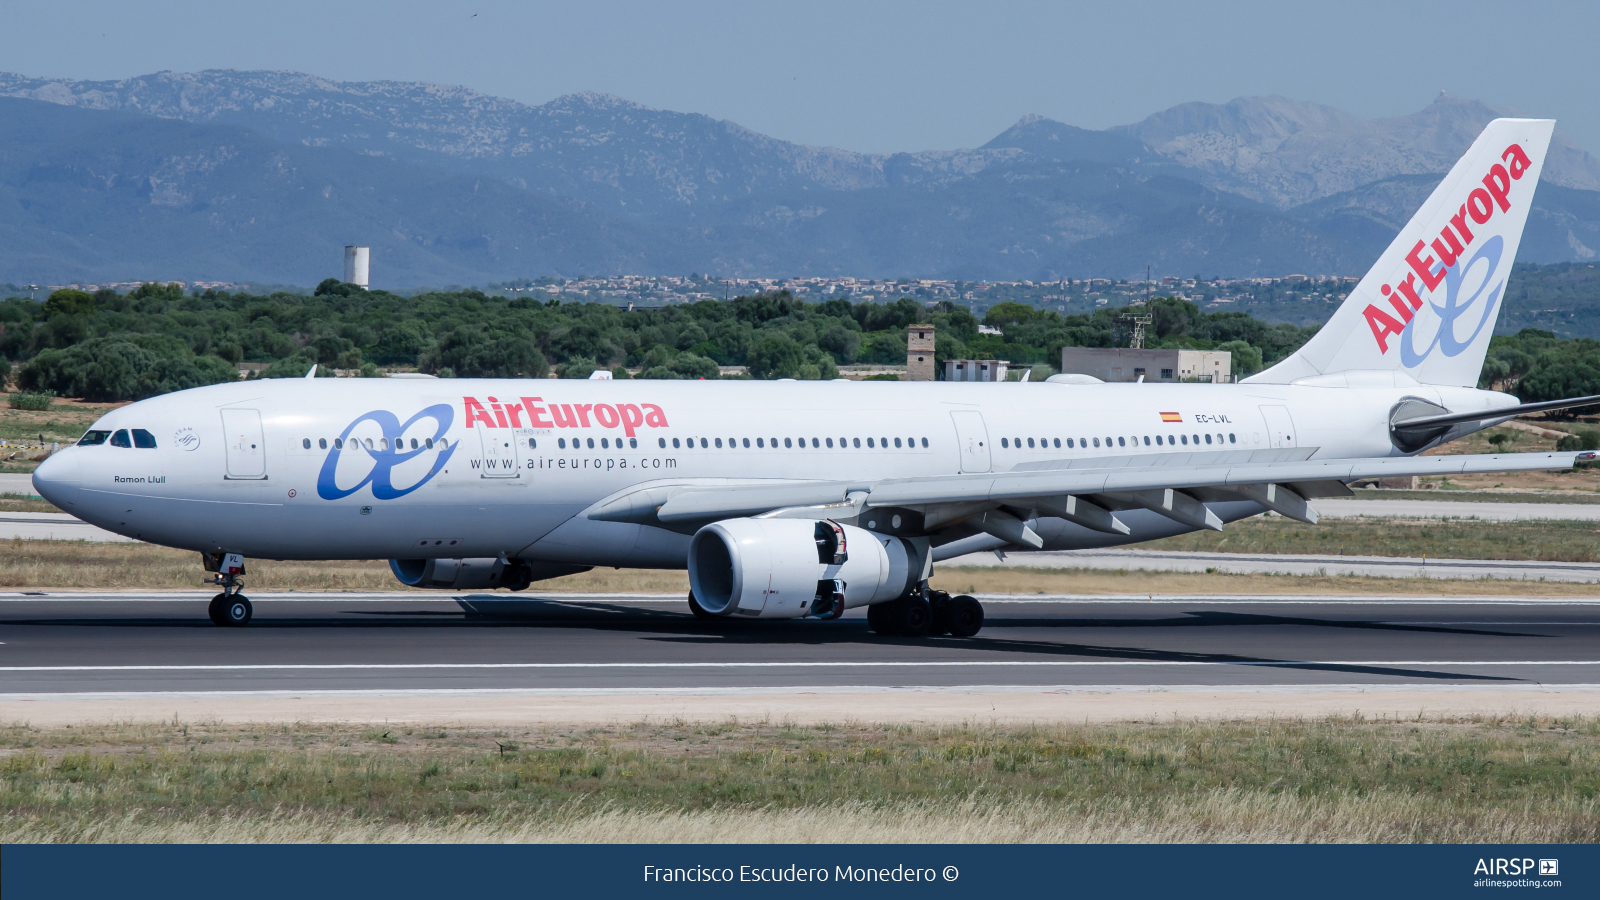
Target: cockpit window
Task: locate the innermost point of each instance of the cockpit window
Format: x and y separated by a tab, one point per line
120	439
93	438
144	440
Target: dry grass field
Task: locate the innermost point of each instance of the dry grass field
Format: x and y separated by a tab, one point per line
1462	781
78	565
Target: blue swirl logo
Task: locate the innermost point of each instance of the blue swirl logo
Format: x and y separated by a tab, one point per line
1454	307
386	454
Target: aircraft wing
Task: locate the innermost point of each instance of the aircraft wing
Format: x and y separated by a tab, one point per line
1086	495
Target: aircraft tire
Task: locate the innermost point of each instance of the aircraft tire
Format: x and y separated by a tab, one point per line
965	616
214	610
237	612
913	617
940	602
880	618
700	612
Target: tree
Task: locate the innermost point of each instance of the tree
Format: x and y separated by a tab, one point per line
1246	358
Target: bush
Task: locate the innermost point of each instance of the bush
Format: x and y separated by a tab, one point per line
130	367
38	401
1582	439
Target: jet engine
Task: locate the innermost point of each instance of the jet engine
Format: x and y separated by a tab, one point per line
477	574
787	568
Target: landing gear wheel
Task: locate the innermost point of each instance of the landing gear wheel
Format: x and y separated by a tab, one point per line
236	611
214	610
914	616
880	618
940	602
699	611
965	616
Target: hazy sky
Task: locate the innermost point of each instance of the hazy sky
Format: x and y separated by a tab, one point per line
860	75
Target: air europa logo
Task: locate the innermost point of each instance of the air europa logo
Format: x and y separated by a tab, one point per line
1441	268
386	453
627	416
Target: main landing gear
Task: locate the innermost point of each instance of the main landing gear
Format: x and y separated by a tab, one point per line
229	608
927	613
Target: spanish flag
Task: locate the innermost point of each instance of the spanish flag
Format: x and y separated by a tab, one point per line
1171	417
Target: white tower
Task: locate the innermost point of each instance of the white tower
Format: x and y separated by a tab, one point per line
355	265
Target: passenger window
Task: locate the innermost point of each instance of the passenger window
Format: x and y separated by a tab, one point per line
883	442
1231	438
830	443
605	443
562	443
924	443
788	442
1147	440
897	443
93	438
1208	438
369	443
1030	443
1185	439
120	439
338	443
1069	443
674	443
855	442
1005	442
1097	442
1121	442
869	442
703	444
532	444
760	442
747	443
719	443
591	443
322	443
1058	443
306	443
633	443
815	443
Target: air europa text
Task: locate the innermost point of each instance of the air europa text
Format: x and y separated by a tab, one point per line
627	416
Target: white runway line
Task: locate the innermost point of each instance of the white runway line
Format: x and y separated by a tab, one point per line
897	664
1066	690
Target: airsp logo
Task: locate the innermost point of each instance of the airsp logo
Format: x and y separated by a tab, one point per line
186	439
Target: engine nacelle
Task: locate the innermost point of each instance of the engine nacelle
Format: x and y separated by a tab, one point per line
781	568
476	574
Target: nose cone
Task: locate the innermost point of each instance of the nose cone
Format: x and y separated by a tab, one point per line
57	478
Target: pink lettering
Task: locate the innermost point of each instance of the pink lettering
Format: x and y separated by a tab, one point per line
564	416
476	413
632	417
1409	288
1479	204
606	415
536	417
1423	267
1517	160
656	418
1499	184
1459	222
1447	254
583	412
1383	325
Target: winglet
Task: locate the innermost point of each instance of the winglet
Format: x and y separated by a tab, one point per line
313	372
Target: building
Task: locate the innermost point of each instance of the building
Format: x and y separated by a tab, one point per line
356	261
919	353
975	369
1157	366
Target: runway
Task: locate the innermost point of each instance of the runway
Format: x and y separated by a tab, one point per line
143	644
1289	564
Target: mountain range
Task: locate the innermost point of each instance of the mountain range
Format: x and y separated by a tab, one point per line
262	176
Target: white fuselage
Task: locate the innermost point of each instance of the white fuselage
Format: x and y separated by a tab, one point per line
282	469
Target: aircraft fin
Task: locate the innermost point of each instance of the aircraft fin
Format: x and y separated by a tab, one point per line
1427	308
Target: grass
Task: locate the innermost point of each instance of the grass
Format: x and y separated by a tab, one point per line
1470	780
1547	540
10	502
80	565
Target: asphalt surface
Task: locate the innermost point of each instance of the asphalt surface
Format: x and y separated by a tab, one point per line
1288	564
85	644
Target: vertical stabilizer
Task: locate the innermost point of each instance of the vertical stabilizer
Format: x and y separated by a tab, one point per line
1427	308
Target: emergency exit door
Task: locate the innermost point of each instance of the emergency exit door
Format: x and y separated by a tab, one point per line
1280	426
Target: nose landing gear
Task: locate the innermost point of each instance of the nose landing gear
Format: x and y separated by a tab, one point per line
229	608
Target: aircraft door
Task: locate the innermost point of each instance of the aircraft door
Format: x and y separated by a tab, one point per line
502	453
1280	426
246	446
973	438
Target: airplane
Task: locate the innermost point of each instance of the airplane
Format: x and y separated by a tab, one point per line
790	499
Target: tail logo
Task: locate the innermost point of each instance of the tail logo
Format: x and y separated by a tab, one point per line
1442	268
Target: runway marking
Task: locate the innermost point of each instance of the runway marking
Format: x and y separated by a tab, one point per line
1064	689
940	664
